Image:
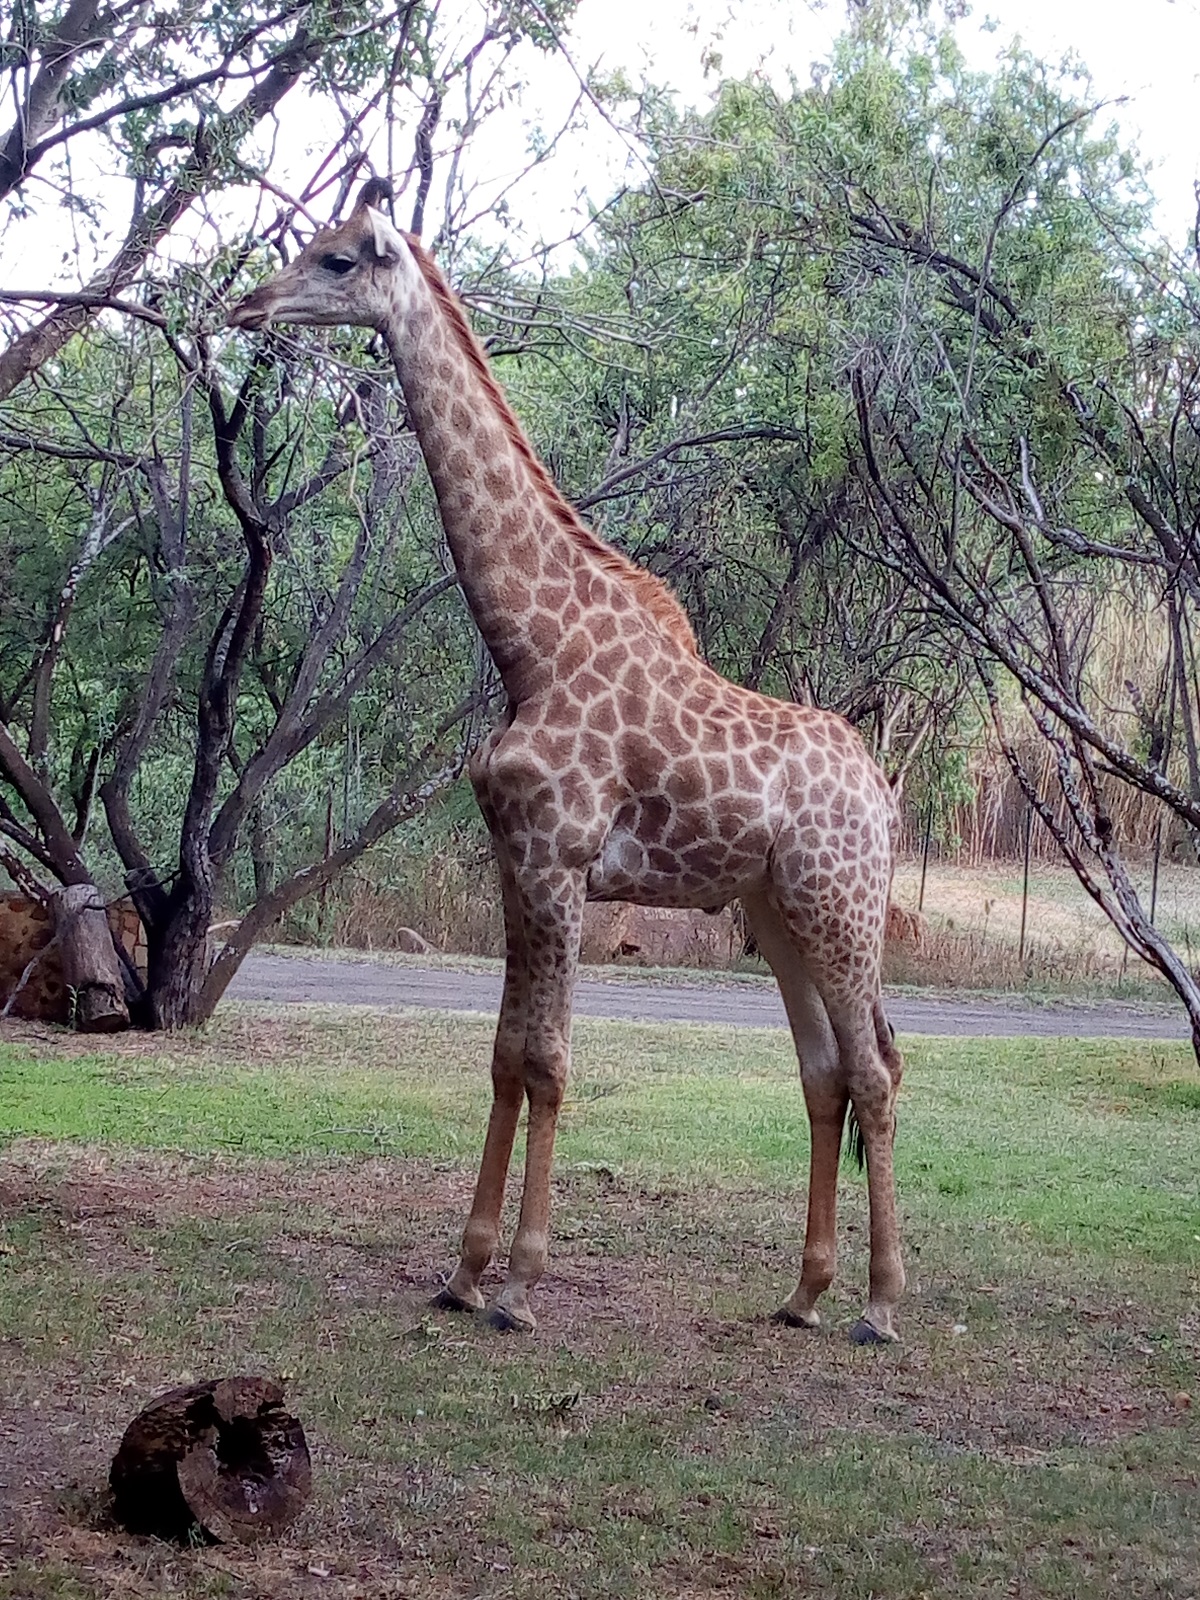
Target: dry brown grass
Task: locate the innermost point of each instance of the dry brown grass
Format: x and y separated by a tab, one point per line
974	921
451	902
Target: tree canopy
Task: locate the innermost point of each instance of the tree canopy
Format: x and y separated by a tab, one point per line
888	374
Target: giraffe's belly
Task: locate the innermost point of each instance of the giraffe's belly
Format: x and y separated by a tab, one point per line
698	874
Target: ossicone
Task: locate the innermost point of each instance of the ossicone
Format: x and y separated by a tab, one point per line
376	192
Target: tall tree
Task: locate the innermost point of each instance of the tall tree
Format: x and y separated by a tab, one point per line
218	564
1023	355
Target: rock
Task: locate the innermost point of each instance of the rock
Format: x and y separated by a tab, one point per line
905	927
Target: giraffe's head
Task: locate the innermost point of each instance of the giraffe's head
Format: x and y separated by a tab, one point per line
362	272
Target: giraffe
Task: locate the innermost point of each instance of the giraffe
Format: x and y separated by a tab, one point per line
625	768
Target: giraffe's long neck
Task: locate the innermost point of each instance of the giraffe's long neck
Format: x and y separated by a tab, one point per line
519	566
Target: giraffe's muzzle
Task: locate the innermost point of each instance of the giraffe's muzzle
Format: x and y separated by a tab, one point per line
250	312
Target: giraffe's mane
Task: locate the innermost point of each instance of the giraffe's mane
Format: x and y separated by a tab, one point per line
651	592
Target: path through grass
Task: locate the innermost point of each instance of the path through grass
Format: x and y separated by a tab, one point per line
281	1193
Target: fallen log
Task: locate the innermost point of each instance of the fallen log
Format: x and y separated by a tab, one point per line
89	959
222	1455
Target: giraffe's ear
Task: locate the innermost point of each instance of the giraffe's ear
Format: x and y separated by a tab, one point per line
389	245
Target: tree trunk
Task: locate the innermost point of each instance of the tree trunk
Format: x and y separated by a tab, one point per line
89	960
223	1454
178	964
262	855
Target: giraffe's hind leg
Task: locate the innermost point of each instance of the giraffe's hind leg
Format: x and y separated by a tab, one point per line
825	1096
872	1067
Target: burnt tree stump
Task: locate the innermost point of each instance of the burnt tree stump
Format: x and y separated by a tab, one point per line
89	959
223	1455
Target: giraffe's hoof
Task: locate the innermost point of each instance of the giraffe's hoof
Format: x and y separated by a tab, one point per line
864	1332
446	1300
506	1321
797	1319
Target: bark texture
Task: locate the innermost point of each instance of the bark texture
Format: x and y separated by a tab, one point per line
223	1455
89	959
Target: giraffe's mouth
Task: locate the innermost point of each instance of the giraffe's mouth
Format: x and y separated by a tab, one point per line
248	315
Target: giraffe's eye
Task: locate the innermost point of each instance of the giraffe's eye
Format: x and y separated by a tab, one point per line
339	264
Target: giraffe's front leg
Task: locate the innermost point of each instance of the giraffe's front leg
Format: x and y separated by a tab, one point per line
511	1311
482	1232
554	921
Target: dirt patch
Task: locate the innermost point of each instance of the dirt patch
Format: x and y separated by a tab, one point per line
258	1038
91	1185
627	1258
119	1566
636	1334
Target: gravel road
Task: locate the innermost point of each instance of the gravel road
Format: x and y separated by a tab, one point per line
298	980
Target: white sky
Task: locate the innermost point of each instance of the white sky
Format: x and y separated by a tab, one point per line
1147	51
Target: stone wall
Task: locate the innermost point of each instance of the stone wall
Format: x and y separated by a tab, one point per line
655	936
27	926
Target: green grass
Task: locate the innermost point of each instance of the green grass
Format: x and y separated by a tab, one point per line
280	1194
1018	1130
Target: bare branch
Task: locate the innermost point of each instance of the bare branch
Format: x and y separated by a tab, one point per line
22	877
59	848
88	299
30	350
741	435
409	795
302	718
